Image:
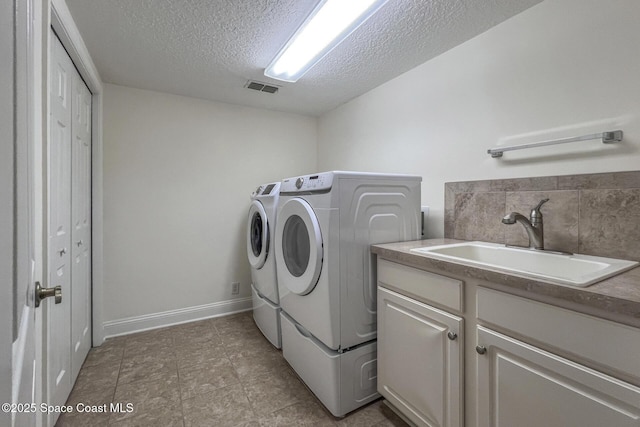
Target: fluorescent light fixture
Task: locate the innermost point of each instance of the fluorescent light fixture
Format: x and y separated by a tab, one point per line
330	22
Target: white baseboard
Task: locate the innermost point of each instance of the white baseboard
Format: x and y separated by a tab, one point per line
130	325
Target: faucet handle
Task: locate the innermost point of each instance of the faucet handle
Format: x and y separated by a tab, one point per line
536	215
542	202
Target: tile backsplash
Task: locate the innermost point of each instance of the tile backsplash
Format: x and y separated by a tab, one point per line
594	214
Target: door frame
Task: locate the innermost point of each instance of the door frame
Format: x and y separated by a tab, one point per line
7	191
22	119
64	26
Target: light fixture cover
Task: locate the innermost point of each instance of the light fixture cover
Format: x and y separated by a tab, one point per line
330	22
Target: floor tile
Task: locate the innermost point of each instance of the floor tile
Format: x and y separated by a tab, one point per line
200	355
91	378
235	323
120	341
148	369
247	344
274	392
91	395
196	380
213	372
227	406
374	414
163	344
236	341
197	335
153	402
151	420
83	419
104	355
253	367
299	414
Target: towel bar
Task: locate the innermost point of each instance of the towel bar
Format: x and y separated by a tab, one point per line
607	138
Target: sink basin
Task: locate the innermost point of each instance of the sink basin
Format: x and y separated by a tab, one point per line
564	269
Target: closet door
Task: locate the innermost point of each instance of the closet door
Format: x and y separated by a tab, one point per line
58	328
68	328
80	224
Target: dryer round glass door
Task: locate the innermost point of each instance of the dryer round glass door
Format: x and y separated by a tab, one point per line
257	235
298	247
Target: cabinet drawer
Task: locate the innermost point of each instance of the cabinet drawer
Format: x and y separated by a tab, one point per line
421	285
588	338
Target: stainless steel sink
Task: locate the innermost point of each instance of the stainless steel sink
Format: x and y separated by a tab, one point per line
565	269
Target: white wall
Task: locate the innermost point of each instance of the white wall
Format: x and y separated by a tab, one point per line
561	68
178	173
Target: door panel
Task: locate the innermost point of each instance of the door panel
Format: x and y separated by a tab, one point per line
522	385
81	226
420	367
59	379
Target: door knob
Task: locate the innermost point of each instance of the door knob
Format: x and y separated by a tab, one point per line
452	335
42	293
79	243
62	251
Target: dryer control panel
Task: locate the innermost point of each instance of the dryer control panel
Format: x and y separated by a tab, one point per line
271	189
320	182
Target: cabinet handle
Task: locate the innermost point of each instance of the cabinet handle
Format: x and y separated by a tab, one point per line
452	335
62	251
481	349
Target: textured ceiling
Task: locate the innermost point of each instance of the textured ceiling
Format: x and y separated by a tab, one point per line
210	48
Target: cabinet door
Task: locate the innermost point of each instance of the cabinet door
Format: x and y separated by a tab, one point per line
420	360
522	385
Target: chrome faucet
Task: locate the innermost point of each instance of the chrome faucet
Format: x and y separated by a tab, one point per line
533	226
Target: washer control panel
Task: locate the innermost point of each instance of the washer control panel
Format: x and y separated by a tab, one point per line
308	183
272	189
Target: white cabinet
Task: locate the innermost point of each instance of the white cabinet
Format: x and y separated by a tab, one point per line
530	363
521	384
420	358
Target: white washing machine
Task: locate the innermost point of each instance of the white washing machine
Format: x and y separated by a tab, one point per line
260	252
327	275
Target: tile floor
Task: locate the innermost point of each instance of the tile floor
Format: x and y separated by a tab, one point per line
215	372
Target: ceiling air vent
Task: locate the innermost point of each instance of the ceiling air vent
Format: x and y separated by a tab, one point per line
262	87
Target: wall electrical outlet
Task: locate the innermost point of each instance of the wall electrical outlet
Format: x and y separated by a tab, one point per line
235	288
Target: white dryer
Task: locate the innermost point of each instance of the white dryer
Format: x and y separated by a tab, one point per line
260	252
327	275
